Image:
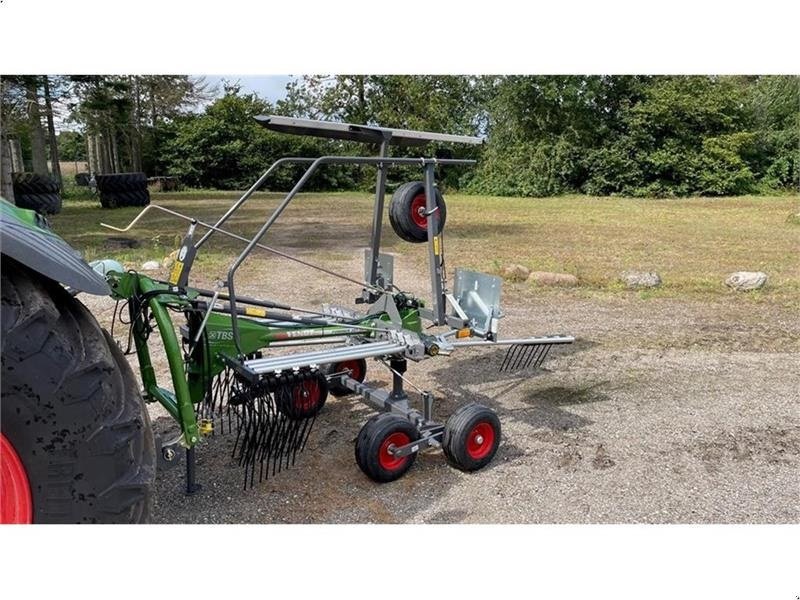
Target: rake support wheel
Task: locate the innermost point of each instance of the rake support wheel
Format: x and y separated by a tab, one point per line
303	399
407	212
358	371
471	437
375	441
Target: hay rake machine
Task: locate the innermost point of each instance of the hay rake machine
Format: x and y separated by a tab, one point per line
230	367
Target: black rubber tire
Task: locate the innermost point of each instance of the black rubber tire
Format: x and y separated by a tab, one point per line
289	404
121	182
127	198
369	442
71	407
400	209
457	431
45	203
82	179
337	389
33	183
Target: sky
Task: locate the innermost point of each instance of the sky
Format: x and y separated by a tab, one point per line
269	87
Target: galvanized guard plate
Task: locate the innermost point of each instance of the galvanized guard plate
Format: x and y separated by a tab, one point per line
385	267
478	294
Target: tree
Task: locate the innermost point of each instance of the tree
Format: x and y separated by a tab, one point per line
51	130
38	152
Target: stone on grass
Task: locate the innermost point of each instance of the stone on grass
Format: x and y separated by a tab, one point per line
745	281
636	280
151	265
515	272
553	279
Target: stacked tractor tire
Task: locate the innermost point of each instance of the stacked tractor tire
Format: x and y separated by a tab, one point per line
37	192
123	189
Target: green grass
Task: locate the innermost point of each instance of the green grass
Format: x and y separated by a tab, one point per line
693	242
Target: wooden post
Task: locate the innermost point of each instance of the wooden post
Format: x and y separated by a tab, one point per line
17	166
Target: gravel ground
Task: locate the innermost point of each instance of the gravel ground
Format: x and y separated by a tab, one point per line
664	411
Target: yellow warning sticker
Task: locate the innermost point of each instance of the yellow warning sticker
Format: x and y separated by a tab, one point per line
176	272
436	245
255	312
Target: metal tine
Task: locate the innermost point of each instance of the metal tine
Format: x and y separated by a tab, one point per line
512	350
544	355
535	353
530	351
523	352
505	359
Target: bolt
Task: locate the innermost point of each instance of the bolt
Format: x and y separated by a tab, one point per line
478	439
169	454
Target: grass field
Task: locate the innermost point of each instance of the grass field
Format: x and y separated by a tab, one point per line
694	243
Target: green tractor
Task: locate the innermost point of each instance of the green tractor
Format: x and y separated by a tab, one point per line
76	444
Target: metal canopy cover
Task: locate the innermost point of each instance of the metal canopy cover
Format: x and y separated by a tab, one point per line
359	133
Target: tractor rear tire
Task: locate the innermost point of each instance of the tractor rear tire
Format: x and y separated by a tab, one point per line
45	203
406	212
33	183
121	182
128	198
72	413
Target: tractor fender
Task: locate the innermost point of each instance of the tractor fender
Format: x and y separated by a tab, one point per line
26	237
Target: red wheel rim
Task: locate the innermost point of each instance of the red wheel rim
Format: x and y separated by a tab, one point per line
354	366
16	505
306	395
480	441
389	461
418	208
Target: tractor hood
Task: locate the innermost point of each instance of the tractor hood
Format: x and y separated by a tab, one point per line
26	237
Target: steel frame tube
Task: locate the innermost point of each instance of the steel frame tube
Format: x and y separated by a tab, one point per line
253	188
520	341
343	160
275	363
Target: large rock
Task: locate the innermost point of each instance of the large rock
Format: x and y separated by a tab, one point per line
553	279
745	281
636	280
151	265
515	272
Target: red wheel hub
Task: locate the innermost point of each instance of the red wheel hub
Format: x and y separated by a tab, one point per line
306	395
16	505
418	209
389	461
480	440
354	366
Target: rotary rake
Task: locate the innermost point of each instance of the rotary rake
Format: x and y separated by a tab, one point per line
236	368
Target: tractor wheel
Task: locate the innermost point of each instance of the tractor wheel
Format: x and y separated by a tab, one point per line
358	371
303	399
373	444
407	212
121	182
75	432
45	203
33	183
127	198
471	437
